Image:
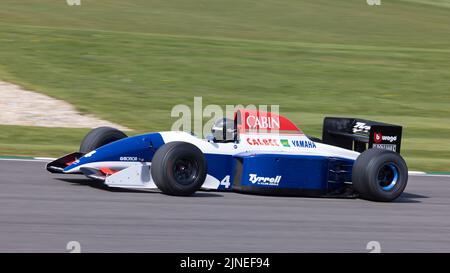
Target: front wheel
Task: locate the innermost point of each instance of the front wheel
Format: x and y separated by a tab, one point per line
99	137
178	168
379	175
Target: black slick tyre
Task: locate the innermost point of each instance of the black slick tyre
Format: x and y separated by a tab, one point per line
178	168
99	137
379	175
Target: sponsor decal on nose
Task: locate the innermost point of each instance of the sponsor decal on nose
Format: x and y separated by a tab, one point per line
128	158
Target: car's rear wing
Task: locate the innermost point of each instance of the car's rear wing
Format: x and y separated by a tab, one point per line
359	134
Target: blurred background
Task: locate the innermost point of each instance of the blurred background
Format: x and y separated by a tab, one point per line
130	62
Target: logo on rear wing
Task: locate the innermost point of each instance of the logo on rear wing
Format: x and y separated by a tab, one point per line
361	128
385	137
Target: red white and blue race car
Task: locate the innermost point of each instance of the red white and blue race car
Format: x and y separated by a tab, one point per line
257	152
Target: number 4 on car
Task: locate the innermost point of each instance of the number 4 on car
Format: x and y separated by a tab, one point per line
256	153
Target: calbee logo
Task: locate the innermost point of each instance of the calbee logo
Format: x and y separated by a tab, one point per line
378	137
261	180
262	141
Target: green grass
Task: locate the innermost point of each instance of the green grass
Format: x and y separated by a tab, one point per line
39	141
131	61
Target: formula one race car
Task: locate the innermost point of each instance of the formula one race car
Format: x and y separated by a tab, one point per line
257	152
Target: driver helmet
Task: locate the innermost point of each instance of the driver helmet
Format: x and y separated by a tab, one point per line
223	130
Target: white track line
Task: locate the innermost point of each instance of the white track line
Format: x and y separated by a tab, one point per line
416	173
433	175
24	160
45	158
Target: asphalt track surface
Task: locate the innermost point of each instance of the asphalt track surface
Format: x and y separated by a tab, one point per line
40	212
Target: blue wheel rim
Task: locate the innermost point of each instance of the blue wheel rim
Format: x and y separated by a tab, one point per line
388	176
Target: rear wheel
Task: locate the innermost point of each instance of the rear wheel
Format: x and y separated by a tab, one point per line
99	137
178	168
380	175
